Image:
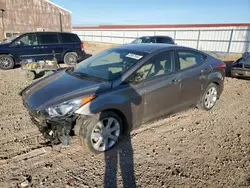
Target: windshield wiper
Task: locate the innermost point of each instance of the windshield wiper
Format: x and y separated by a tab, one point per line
86	76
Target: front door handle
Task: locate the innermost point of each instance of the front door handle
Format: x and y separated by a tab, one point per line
36	47
175	81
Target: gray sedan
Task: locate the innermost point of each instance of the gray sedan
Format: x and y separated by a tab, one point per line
119	89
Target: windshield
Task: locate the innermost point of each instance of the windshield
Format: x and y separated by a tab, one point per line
8	40
108	65
246	55
144	40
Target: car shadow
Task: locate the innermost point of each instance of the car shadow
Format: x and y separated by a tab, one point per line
87	56
122	153
17	66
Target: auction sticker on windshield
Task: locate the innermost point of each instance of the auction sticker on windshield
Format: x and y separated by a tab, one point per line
134	56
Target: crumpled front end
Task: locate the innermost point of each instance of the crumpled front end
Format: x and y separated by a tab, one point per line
55	129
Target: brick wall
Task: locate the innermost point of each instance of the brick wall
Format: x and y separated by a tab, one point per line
32	15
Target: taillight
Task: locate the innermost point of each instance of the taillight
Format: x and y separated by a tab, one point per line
82	46
222	66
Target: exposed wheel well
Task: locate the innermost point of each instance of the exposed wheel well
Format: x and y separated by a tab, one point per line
126	127
218	85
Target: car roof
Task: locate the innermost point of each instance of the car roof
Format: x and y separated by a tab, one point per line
48	32
155	36
148	47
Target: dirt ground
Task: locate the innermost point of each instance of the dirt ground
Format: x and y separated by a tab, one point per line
193	148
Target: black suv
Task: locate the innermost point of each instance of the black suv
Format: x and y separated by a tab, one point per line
154	39
67	47
241	67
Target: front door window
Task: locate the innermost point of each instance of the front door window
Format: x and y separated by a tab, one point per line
28	40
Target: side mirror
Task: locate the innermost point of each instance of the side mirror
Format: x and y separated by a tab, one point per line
134	78
138	77
17	43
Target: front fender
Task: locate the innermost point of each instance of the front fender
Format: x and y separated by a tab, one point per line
111	102
103	102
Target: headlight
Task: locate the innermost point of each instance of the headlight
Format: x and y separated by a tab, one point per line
67	108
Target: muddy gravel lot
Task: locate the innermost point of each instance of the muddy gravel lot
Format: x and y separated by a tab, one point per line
193	148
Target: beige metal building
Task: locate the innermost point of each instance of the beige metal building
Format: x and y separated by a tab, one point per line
19	16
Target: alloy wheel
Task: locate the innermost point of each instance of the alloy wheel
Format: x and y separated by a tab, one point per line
5	62
71	60
211	97
105	134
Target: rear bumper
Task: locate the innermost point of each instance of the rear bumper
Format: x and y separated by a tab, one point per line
240	72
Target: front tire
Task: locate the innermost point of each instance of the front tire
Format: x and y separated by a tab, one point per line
6	62
102	132
70	58
209	97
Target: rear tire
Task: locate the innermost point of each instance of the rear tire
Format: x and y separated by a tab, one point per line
70	58
209	97
97	134
6	62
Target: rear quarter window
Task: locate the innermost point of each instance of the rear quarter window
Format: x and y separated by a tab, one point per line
69	38
190	58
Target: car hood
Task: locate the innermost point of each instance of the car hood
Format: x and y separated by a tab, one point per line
3	45
60	87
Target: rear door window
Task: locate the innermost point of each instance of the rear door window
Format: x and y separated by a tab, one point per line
153	40
189	59
50	38
164	40
68	38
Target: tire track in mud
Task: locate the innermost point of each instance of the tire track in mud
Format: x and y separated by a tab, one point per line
42	157
19	136
19	145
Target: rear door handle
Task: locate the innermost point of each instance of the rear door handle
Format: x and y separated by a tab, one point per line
36	47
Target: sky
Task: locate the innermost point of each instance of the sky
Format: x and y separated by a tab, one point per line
117	12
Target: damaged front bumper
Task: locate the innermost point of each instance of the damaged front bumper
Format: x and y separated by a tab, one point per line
55	129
